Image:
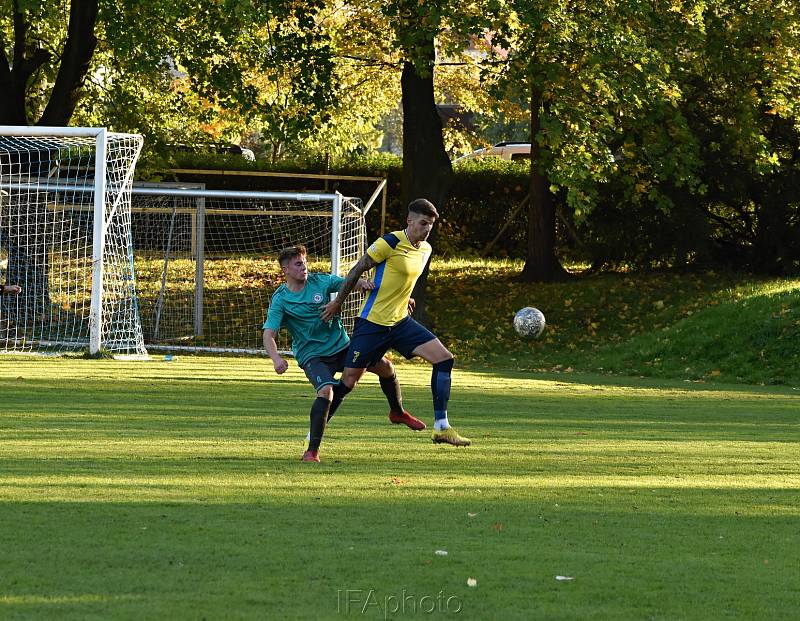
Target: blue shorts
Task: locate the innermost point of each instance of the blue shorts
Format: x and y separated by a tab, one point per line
370	341
320	371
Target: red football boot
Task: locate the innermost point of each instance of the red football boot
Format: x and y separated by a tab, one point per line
310	456
406	419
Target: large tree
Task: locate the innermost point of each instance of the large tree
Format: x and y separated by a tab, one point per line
155	66
592	69
743	105
40	49
422	31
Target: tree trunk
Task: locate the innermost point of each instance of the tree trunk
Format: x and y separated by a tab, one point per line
75	61
541	263
14	75
775	248
427	172
12	104
27	242
771	246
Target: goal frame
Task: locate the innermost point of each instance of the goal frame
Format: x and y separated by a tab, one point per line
100	135
335	199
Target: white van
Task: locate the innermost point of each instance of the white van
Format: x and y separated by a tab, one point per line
504	150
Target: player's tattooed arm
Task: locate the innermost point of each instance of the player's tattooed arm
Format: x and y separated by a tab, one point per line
334	307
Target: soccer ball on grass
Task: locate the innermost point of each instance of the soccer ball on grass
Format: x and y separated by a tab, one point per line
529	322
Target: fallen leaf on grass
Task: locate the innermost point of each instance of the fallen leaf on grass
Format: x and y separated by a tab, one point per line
441	552
562	578
471	582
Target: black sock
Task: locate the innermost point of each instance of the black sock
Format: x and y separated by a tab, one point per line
340	391
391	388
319	418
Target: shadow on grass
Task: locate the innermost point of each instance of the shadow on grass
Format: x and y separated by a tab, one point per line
662	553
637	382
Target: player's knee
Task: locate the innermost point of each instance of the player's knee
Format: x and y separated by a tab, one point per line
350	377
446	358
326	392
351	382
444	366
384	368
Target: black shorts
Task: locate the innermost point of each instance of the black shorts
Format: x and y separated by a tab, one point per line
320	371
370	341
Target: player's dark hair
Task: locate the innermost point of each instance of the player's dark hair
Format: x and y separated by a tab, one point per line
423	207
287	254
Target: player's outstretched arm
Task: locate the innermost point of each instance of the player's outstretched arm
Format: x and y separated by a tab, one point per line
272	349
334	307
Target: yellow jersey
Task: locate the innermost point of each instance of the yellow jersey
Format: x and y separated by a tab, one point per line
399	266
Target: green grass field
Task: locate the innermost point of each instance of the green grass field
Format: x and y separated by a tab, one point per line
174	490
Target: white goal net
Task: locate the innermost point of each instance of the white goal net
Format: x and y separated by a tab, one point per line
65	239
206	260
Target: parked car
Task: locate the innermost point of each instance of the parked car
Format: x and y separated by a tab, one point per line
233	149
504	150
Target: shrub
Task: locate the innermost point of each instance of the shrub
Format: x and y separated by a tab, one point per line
483	195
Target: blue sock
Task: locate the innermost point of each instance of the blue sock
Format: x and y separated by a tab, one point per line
440	387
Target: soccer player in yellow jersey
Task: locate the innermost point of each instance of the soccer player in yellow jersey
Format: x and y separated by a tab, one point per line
384	321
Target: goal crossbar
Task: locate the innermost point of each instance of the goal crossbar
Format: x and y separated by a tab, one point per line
186	193
56	132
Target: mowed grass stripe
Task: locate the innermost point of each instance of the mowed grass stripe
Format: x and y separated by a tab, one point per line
174	490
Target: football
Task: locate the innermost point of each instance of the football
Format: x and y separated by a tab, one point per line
529	322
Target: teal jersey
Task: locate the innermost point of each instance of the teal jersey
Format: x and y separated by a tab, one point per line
298	312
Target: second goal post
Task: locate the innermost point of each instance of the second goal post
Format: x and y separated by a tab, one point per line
206	260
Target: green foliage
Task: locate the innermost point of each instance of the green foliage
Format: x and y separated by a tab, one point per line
741	104
177	72
602	72
484	198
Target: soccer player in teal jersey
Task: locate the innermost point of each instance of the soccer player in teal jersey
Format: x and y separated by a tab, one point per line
383	322
320	346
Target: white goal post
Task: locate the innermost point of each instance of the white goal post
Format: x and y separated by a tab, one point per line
65	238
206	260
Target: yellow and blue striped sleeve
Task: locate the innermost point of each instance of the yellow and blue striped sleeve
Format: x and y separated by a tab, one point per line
381	248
